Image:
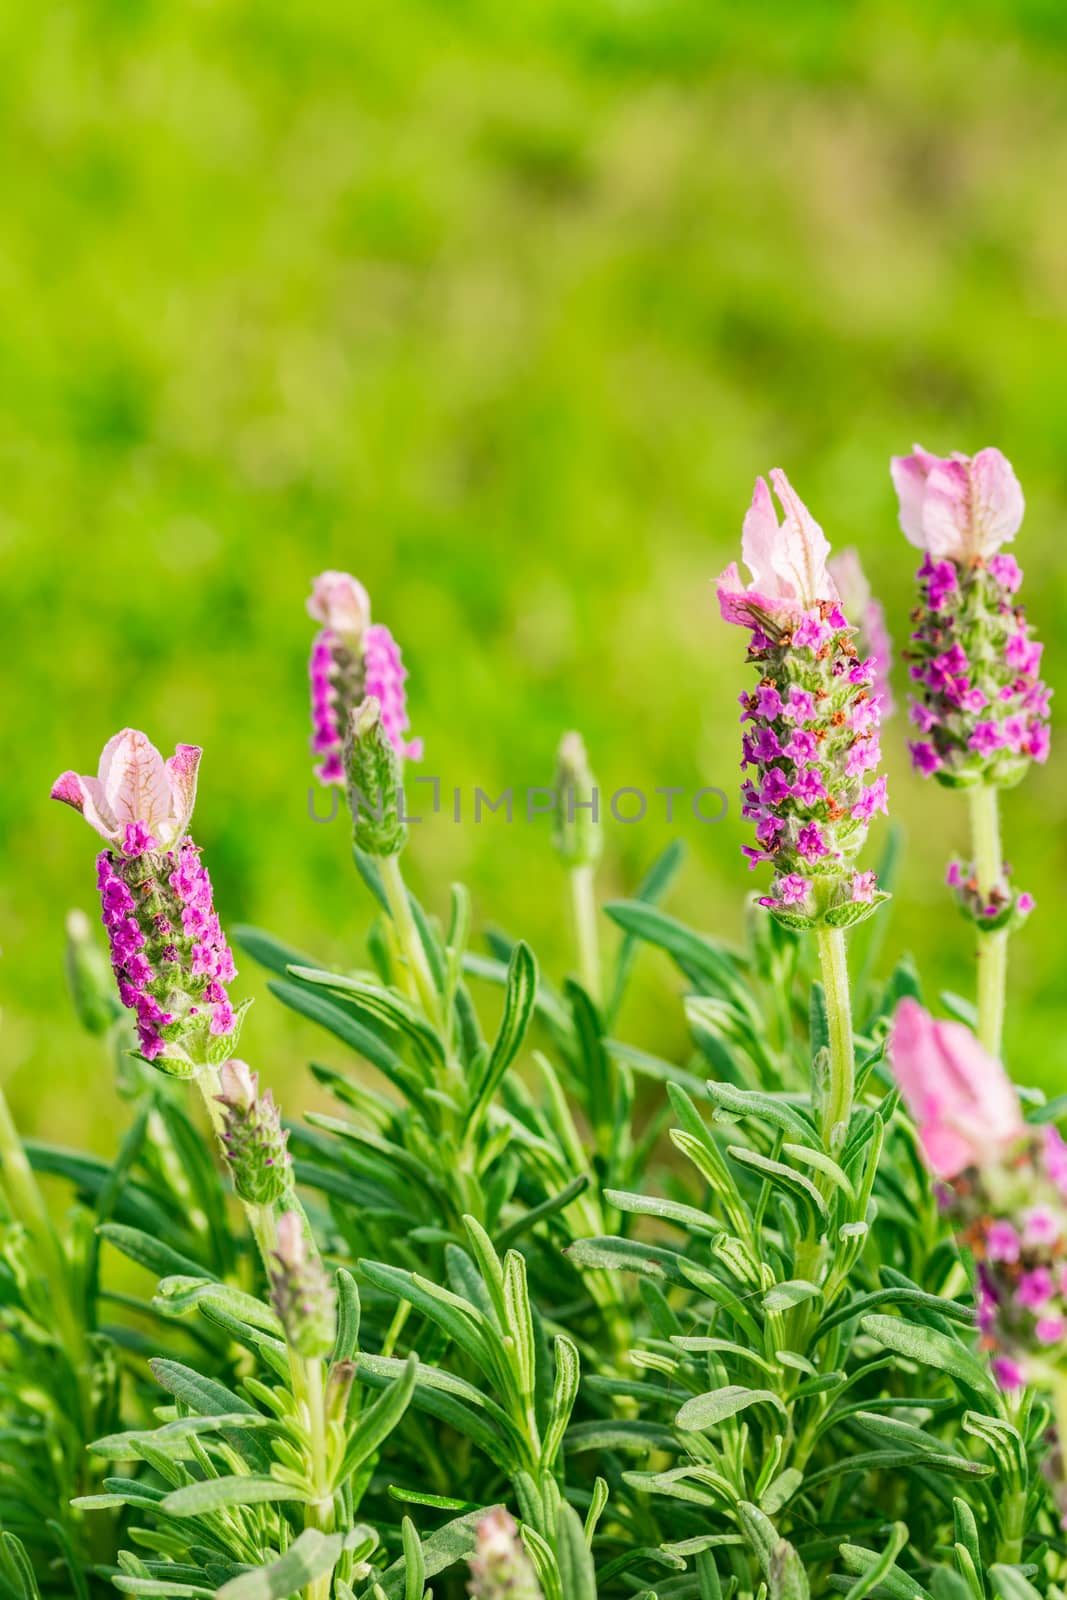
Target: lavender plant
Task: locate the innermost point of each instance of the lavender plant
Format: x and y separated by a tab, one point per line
536	1313
980	704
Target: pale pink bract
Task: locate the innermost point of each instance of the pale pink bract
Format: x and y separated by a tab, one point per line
134	785
958	507
787	560
340	602
962	1100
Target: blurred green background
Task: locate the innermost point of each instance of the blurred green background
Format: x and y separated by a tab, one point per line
501	306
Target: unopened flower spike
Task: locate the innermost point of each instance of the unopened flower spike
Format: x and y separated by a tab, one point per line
1003	1186
301	1291
979	706
578	837
811	724
89	977
253	1138
375	782
350	659
169	955
500	1567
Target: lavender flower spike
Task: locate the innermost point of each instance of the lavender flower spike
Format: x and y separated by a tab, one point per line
350	659
980	706
1004	1189
253	1139
811	725
301	1291
170	958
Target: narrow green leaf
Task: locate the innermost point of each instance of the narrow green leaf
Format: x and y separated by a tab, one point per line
312	1555
520	997
706	1410
377	1421
215	1494
932	1349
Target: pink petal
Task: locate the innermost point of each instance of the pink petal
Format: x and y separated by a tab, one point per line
759	535
85	796
909	474
745	606
339	601
960	1096
135	783
801	549
947	521
997	501
181	771
947	1152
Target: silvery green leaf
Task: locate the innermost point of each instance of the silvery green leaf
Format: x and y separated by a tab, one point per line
932	1349
214	1494
312	1555
707	1410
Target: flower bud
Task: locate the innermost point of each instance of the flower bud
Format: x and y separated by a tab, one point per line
375	783
578	837
338	1388
253	1138
1001	906
500	1567
302	1293
89	978
340	603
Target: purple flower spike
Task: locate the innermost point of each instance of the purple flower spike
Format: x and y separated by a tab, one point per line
351	659
1003	1185
811	724
169	955
979	699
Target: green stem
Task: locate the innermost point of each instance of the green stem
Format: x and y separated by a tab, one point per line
992	947
410	941
583	904
833	961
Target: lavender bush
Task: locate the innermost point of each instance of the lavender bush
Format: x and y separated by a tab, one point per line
534	1313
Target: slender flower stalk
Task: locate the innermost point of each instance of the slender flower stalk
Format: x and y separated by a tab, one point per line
980	706
811	736
352	658
578	839
833	963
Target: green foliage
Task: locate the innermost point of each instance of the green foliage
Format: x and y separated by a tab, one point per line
694	1352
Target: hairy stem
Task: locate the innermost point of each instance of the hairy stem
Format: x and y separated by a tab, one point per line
834	964
587	939
992	947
